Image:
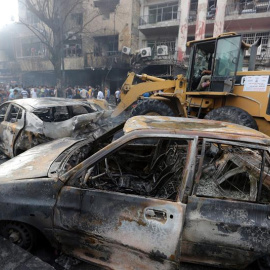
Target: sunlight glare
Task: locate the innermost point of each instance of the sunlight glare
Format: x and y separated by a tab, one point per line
8	11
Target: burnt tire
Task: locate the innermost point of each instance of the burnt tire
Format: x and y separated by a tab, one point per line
152	107
232	115
264	263
19	234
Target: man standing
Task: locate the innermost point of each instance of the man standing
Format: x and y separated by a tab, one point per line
24	93
107	93
100	95
69	93
117	96
15	95
90	91
84	94
33	93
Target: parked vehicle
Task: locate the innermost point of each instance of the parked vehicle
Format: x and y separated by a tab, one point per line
145	195
25	123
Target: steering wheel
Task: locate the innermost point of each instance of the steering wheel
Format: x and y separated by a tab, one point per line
196	78
108	171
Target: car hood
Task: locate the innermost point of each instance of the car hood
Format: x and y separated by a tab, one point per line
35	162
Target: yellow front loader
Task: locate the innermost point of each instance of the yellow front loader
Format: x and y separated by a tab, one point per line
213	88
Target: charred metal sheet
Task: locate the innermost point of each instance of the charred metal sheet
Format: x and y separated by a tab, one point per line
32	104
35	162
42	120
119	227
238	230
186	124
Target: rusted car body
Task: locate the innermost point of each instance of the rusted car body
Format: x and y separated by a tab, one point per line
25	123
145	196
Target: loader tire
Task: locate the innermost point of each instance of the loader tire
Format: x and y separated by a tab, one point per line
152	107
232	115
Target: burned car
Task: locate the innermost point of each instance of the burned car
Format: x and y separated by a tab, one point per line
25	123
145	195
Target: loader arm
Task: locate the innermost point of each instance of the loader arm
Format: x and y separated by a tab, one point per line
135	91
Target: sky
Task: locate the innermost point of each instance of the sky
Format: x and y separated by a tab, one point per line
8	9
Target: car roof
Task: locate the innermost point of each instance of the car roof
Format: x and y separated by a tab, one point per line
32	104
182	125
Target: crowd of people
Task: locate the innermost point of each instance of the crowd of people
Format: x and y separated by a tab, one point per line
10	92
91	92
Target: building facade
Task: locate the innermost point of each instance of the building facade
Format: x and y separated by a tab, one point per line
90	57
146	36
162	29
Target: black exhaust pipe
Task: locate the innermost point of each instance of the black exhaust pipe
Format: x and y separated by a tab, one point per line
253	54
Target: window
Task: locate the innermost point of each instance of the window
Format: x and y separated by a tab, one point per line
78	110
54	114
230	171
3	110
265	189
106	45
15	114
30	47
226	56
147	167
163	12
77	18
250	38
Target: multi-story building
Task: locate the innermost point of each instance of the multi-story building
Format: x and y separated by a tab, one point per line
90	57
159	30
140	35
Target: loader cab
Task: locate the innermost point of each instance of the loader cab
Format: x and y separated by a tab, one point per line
214	63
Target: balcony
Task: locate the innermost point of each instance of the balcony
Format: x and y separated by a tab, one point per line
150	23
250	15
264	58
107	59
248	9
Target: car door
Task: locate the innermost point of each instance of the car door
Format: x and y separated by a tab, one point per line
11	127
127	214
227	53
227	216
3	112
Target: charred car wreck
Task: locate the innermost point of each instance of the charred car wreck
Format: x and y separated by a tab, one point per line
146	195
25	123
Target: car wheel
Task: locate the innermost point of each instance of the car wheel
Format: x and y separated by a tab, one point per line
152	107
20	234
264	263
232	115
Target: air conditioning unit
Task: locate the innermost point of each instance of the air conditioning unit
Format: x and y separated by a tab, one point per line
146	52
126	50
162	50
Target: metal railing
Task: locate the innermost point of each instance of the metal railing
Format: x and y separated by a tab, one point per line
210	15
264	55
156	18
106	59
248	8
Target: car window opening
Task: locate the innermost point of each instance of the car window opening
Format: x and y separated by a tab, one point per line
233	172
146	167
